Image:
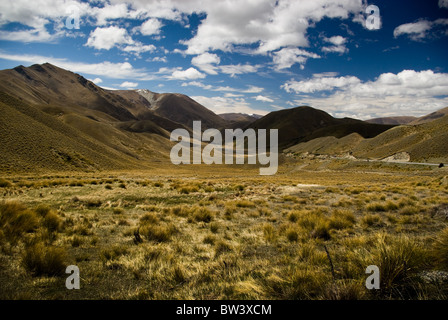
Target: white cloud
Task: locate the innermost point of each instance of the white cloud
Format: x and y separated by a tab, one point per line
97	80
287	57
107	38
263	98
422	29
110	12
160	59
443	3
415	30
407	92
139	48
238	69
189	74
33	35
151	27
228	105
338	44
206	62
108	69
319	84
268	23
197	84
128	84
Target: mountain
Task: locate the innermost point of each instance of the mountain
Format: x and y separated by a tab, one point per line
304	123
182	109
53	119
432	116
61	90
425	142
33	140
392	120
239	120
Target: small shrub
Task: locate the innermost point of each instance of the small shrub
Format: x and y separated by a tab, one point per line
16	220
40	260
209	239
52	222
76	241
222	247
117	211
203	214
292	235
214	227
113	253
269	232
399	259
293	216
372	220
245	204
440	249
157	233
376	207
5	183
341	219
149	218
409	210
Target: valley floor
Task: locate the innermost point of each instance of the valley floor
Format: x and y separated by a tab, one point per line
308	232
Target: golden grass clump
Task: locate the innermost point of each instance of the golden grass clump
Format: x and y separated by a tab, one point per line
440	249
42	260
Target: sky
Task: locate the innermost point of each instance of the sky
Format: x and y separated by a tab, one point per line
250	56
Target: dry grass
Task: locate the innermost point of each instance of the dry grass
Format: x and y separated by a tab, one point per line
264	239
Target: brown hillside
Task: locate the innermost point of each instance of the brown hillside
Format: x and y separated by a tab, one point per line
305	123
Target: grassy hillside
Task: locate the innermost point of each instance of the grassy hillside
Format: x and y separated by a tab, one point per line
33	140
427	142
305	123
182	109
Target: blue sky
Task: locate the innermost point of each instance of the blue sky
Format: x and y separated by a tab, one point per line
245	56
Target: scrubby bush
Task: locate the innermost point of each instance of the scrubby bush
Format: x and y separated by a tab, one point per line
202	214
41	260
440	249
16	220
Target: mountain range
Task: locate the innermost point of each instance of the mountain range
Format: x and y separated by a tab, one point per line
54	119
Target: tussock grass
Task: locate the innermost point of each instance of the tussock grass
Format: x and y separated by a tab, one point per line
440	249
255	242
42	260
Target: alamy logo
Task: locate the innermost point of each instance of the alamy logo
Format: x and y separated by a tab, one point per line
234	139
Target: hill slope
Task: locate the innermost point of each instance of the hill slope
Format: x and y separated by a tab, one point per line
392	120
182	109
426	142
302	124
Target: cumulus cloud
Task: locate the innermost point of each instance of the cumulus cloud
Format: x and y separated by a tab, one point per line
269	24
263	98
415	30
233	70
228	105
129	85
206	62
189	74
443	3
407	92
422	29
287	57
123	70
338	44
151	27
97	80
319	84
107	38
